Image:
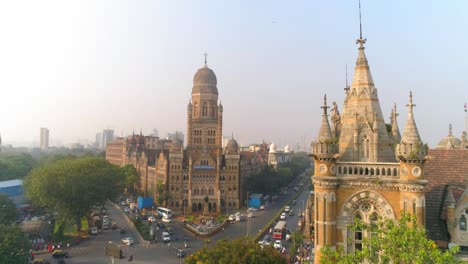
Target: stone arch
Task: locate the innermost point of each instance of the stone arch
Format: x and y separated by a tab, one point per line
377	171
199	207
345	170
194	207
360	197
395	172
389	172
355	170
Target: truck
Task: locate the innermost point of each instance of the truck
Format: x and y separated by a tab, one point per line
145	202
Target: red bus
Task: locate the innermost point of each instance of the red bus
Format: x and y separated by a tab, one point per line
279	229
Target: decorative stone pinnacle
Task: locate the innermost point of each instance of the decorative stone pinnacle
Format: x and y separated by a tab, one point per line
411	105
325	107
206	55
450	130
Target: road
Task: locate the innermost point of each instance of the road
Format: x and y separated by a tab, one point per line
93	250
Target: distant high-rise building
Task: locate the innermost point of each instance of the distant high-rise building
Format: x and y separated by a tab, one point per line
44	139
107	135
177	134
98	139
155	133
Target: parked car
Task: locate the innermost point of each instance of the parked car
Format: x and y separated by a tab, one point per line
166	237
59	254
252	209
127	241
278	245
283	216
250	215
126	209
166	220
151	219
266	240
291	212
287	208
232	218
262	207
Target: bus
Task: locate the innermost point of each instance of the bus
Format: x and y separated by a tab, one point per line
165	212
279	229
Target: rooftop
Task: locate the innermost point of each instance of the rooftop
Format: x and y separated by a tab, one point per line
10	183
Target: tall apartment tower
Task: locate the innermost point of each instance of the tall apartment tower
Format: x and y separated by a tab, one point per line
107	135
44	139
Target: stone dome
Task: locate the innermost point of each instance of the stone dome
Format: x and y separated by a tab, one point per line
205	76
272	148
449	142
232	147
287	149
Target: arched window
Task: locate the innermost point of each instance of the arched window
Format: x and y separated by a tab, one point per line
414	207
339	170
463	222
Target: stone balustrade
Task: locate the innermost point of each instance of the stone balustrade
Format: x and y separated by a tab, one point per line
380	169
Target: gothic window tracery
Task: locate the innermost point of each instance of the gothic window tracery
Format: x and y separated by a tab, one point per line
463	222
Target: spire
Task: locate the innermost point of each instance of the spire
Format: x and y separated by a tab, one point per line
450	130
411	134
206	55
325	130
395	130
347	85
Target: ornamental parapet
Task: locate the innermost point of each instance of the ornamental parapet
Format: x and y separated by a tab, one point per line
380	169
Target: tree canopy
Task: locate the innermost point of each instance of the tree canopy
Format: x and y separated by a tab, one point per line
72	186
131	178
8	212
15	166
392	242
242	250
14	245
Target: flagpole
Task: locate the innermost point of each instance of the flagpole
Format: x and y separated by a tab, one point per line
466	119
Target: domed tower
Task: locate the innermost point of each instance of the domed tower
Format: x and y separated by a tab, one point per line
272	158
450	141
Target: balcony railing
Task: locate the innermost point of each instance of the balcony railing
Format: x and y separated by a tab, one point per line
380	169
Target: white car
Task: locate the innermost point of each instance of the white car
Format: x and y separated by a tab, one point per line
262	207
123	203
166	220
283	216
127	241
151	219
277	244
287	208
166	237
126	209
250	215
129	201
232	218
252	209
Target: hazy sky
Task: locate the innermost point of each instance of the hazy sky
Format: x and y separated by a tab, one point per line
77	67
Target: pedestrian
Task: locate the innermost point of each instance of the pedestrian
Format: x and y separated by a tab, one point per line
68	244
53	247
32	255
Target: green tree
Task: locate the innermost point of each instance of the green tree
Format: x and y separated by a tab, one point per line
72	186
162	193
8	212
15	166
242	250
14	245
131	178
392	242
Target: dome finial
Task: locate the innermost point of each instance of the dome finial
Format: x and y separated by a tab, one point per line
450	130
206	55
411	105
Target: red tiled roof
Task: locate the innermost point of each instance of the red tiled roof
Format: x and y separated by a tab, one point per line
447	167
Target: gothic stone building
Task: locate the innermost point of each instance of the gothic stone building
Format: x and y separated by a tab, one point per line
203	177
362	170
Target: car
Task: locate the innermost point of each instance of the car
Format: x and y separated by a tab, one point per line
252	209
127	241
59	254
123	231
160	225
250	215
105	221
262	207
166	237
232	218
166	220
151	219
287	208
266	240
283	216
94	230
123	203
278	245
126	209
128	200
291	212
169	230
293	202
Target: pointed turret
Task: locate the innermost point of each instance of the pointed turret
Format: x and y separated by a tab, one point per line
325	132
325	147
358	131
395	130
411	147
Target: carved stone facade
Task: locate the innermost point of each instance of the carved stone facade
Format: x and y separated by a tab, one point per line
362	170
203	177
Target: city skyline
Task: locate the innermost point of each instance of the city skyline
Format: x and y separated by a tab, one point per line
79	67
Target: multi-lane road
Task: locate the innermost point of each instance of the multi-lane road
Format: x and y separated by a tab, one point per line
93	250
